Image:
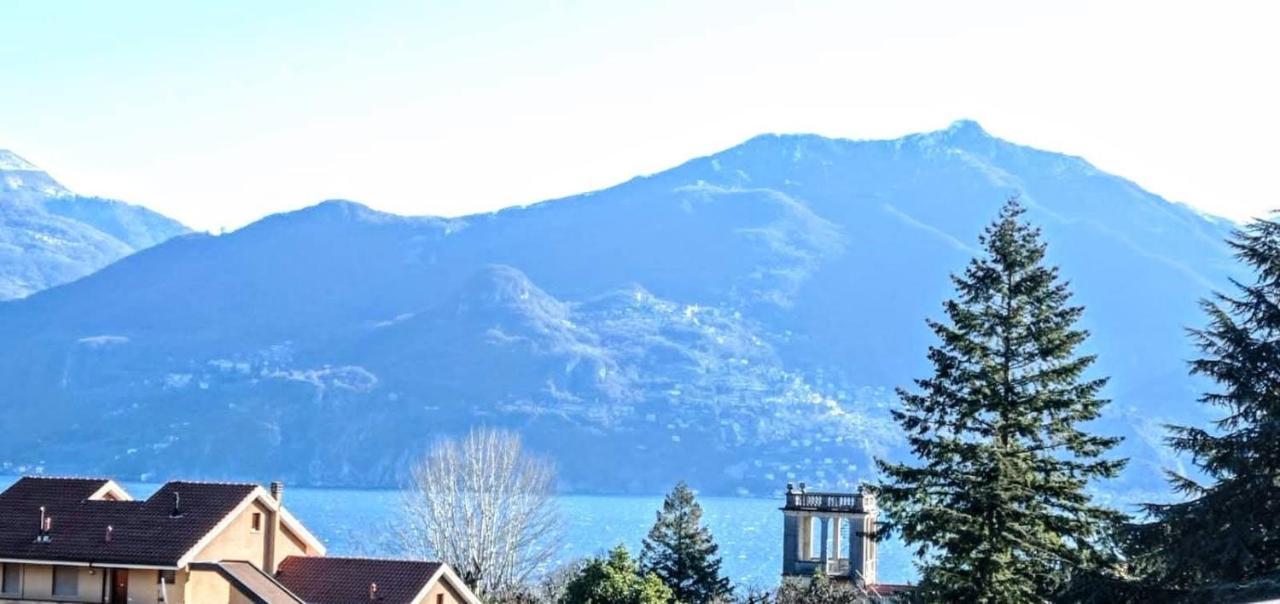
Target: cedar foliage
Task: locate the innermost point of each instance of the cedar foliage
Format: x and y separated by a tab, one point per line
681	552
997	508
1222	542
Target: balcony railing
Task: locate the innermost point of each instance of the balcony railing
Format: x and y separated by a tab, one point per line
837	568
829	502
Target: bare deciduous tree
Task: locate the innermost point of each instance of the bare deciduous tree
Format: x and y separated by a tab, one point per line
485	506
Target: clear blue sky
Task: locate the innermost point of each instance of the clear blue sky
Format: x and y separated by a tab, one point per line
220	112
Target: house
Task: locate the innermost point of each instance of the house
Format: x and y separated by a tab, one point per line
834	534
88	540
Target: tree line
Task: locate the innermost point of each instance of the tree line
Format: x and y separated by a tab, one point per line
996	502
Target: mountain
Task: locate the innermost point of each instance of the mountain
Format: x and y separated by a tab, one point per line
49	235
738	321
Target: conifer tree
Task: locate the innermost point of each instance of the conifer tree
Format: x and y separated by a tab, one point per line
681	552
997	508
1222	542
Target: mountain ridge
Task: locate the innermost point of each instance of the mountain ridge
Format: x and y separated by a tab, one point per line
50	235
747	312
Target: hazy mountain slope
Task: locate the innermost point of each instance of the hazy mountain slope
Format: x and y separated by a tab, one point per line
737	320
38	250
136	226
49	235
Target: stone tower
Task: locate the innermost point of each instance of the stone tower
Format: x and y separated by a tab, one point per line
829	531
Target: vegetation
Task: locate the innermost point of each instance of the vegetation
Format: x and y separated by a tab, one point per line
485	506
615	579
821	590
1222	542
997	507
550	587
681	552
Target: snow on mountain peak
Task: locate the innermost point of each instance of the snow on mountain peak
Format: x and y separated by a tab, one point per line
21	176
10	161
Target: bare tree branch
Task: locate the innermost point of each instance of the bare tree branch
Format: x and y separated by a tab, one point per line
485	506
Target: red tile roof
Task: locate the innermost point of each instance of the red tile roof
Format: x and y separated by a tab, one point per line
143	532
328	580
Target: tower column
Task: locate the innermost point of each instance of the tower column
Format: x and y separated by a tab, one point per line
806	537
835	538
823	557
858	550
855	549
790	543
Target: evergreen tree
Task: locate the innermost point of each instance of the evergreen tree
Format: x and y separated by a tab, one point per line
1223	542
615	580
997	508
681	552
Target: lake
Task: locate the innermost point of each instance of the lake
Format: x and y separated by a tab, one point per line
748	530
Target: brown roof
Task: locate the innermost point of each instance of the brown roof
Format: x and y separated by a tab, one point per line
327	580
143	532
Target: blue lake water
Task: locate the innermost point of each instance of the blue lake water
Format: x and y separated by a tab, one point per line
748	530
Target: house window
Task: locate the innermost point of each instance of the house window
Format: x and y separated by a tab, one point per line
66	581
256	522
439	598
12	580
166	576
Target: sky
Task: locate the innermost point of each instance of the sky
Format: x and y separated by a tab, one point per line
220	113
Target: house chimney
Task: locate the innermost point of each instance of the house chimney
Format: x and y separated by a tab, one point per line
107	537
46	525
177	505
373	591
273	526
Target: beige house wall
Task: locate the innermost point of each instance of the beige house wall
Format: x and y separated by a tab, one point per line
238	541
206	586
442	588
144	587
211	587
290	544
37	581
37	584
239	598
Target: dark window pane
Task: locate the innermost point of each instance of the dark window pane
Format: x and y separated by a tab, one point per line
12	578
